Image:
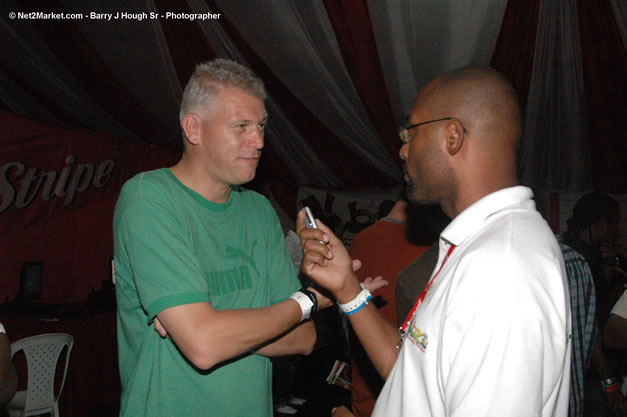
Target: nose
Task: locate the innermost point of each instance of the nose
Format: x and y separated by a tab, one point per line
257	138
403	151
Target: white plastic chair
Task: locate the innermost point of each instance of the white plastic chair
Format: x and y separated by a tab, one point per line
42	355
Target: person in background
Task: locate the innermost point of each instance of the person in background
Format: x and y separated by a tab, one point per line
489	335
615	335
426	222
205	260
591	229
615	332
8	376
583	306
385	248
285	368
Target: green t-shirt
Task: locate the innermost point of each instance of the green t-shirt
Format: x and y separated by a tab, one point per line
174	247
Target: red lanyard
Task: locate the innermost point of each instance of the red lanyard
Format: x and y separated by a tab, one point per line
424	292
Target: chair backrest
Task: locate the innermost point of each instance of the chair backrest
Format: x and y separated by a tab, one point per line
42	355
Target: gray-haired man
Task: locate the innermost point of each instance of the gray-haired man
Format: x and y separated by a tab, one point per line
206	259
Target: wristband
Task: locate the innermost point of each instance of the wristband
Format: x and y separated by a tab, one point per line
356	303
611	388
307	301
313	297
609	381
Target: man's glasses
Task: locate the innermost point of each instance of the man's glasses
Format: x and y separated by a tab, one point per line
403	131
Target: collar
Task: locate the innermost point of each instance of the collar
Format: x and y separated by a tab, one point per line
472	218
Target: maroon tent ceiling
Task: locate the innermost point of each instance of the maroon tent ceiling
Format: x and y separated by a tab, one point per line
341	75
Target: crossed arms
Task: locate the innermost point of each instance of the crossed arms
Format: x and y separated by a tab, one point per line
207	336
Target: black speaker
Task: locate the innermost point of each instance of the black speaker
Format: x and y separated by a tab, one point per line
31	277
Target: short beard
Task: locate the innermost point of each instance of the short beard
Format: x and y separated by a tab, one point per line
413	194
413	198
409	191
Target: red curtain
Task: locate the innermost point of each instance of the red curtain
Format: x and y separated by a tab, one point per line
75	52
513	52
345	163
606	93
353	31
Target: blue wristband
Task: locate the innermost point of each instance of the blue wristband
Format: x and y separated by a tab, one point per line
362	305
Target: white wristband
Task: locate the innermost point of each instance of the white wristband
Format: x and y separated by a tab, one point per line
305	303
356	303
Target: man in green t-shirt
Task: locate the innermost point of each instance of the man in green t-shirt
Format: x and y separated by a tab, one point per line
205	261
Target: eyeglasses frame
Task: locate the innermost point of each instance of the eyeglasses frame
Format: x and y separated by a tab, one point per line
403	131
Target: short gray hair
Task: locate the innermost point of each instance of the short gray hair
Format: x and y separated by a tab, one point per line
210	77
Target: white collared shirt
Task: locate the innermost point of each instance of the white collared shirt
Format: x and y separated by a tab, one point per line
492	335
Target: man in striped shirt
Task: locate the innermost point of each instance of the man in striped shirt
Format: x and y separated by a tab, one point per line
584	330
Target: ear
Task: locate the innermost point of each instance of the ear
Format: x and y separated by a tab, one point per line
454	132
192	125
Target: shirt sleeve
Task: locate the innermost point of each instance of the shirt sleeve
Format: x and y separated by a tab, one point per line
159	262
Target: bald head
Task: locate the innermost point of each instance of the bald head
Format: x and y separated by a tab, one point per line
483	99
471	151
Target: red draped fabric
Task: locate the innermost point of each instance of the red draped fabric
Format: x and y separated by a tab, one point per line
606	94
331	149
75	52
61	114
186	42
513	53
353	30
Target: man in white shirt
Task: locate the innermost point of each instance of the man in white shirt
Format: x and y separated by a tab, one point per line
490	336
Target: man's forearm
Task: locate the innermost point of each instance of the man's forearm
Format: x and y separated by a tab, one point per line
599	361
300	340
378	336
615	332
207	336
603	367
8	384
8	376
331	267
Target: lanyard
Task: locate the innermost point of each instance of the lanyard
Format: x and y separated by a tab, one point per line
422	296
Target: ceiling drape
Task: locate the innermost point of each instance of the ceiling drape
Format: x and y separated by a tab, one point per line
341	76
604	51
555	136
